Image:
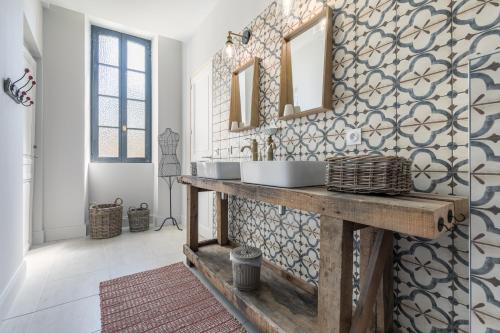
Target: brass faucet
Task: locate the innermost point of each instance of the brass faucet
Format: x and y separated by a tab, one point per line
271	147
253	148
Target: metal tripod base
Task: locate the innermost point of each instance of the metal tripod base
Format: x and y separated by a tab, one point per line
174	222
169	181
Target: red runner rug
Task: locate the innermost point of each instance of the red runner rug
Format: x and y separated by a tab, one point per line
167	299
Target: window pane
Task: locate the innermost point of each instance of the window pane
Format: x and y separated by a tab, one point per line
136	114
108	50
136	144
136	56
108	142
108	81
108	111
136	87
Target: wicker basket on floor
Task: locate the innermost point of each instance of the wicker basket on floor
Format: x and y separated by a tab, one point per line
138	218
106	220
369	174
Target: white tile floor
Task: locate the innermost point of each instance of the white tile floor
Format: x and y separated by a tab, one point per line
61	289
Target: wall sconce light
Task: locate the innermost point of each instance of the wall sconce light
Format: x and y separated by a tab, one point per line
20	95
245	37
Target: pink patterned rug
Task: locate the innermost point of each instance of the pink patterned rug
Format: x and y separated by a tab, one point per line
167	299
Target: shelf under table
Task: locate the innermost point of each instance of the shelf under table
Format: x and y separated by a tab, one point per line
276	306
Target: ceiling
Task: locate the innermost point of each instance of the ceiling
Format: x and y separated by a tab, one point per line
177	19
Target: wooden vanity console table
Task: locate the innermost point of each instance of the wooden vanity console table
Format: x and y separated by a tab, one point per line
284	303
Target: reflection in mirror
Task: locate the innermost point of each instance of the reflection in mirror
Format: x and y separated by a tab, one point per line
306	68
244	104
245	80
307	57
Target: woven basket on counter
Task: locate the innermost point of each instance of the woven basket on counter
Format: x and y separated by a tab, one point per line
369	174
106	220
138	218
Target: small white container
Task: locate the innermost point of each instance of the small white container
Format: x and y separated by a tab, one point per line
289	110
234	125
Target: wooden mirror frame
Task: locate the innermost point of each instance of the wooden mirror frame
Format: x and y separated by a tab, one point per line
235	102
286	82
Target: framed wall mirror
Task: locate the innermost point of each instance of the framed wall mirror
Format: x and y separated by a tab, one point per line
306	68
244	104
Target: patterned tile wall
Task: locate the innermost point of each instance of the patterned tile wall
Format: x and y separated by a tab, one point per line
485	192
400	72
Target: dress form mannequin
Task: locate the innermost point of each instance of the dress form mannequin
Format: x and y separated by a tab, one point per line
170	166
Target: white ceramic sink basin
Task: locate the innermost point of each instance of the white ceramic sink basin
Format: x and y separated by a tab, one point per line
284	173
218	170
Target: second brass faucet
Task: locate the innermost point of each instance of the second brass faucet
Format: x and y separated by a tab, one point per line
254	148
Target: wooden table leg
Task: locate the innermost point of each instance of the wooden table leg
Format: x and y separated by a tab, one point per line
366	239
221	215
382	321
335	275
192	218
385	299
376	268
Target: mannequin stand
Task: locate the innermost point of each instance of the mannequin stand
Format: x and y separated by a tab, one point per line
174	221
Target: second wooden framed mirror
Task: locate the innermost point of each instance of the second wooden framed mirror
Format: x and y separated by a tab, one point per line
306	68
244	104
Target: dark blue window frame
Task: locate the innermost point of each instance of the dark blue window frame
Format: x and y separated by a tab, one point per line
123	38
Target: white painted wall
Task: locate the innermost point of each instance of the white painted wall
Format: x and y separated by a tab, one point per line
64	201
33	13
104	181
143	177
132	182
209	38
11	149
169	115
11	144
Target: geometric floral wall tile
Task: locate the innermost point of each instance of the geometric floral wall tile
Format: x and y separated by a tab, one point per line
472	16
376	48
482	322
480	43
419	312
428	159
375	119
485	272
485	192
400	73
424	135
485	210
423	27
427	111
432	182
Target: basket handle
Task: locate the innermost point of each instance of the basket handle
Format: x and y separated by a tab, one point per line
118	201
131	208
92	205
144	205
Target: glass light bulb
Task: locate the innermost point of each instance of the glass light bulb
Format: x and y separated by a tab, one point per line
229	50
287	7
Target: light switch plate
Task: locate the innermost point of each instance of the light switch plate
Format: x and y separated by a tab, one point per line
353	137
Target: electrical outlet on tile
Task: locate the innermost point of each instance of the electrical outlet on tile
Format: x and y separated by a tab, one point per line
353	137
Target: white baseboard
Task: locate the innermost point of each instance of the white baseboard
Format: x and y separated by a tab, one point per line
8	295
38	237
74	231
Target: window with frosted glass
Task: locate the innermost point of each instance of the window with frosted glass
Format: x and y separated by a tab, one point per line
121	97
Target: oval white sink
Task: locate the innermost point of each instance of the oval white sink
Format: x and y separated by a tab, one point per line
284	173
218	170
